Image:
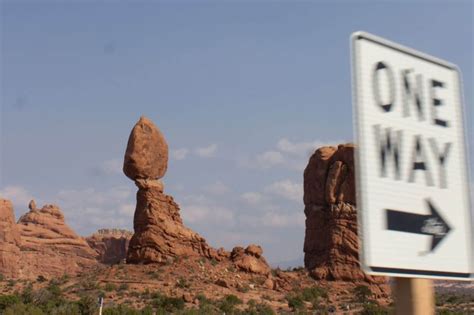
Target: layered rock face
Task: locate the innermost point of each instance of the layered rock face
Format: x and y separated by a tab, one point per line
331	244
40	243
49	247
159	231
10	241
111	245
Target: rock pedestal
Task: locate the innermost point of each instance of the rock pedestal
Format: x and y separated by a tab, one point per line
159	231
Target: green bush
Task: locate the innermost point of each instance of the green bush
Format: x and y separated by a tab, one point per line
373	308
362	293
110	287
167	304
313	294
295	302
255	308
228	303
22	309
8	300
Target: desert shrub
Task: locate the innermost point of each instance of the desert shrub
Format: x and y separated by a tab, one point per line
88	305
182	283
362	293
228	303
121	310
123	287
373	308
67	308
11	283
8	300
27	294
2	277
41	278
167	304
295	302
23	309
110	287
255	308
313	294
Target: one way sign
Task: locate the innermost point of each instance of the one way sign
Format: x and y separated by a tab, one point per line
412	177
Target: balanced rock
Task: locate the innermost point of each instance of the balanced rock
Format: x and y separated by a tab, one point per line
146	156
331	243
49	247
111	245
10	241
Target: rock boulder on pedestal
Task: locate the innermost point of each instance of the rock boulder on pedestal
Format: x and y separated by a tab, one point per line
160	234
146	156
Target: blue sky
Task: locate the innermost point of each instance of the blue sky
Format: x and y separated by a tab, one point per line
242	91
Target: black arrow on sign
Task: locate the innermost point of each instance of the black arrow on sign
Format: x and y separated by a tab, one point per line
432	224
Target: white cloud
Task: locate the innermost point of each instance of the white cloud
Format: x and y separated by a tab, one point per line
207	214
286	189
252	198
207	152
297	148
269	159
288	154
217	188
281	220
18	195
179	154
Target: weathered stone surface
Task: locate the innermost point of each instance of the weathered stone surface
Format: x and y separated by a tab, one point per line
250	259
111	245
159	231
315	175
146	156
49	247
331	242
10	241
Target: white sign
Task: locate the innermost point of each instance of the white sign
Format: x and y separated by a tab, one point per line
411	166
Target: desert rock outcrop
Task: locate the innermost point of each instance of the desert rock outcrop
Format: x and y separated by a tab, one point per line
49	247
331	243
111	245
160	234
10	241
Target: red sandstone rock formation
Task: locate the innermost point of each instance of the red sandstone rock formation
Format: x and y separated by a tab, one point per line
160	234
49	247
111	245
10	241
331	243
